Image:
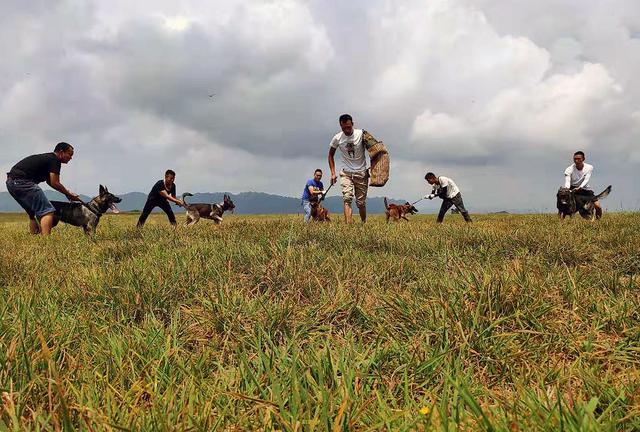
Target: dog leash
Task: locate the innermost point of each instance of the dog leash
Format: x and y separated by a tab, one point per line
415	202
326	192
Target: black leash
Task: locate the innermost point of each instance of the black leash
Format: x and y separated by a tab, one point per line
326	192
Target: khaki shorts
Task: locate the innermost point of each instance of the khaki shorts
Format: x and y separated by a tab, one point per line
355	183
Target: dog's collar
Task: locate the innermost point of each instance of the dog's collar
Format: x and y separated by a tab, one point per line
89	207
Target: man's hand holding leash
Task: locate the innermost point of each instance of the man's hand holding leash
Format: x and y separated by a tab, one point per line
324	193
72	196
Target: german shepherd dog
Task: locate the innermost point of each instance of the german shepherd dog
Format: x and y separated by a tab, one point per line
196	211
569	202
397	212
319	213
86	216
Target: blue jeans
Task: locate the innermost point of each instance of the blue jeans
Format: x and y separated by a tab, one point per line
30	197
306	205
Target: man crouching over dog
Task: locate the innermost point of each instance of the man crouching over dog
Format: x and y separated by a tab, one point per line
576	178
161	193
354	176
22	184
313	191
446	189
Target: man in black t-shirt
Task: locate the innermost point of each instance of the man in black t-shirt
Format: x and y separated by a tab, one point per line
22	184
161	193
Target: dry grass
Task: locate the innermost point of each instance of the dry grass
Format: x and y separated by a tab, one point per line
513	323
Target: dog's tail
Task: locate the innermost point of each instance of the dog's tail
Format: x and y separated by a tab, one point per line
386	206
184	195
605	193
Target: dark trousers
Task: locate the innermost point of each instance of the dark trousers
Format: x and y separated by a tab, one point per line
455	201
153	203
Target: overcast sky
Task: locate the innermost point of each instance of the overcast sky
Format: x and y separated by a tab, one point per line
495	94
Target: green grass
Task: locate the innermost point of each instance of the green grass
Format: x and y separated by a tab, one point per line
512	323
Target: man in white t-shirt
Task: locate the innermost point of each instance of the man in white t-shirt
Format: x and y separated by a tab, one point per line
576	178
354	177
446	189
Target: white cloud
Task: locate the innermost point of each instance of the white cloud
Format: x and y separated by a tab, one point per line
443	43
177	23
467	88
557	114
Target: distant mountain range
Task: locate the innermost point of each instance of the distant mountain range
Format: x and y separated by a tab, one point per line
246	202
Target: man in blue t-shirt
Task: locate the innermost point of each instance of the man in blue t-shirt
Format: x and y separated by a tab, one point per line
313	191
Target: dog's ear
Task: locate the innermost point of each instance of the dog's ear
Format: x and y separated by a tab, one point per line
102	190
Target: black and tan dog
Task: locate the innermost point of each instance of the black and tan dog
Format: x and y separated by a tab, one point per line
570	202
319	213
87	215
196	211
397	212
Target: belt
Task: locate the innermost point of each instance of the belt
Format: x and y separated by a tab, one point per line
9	178
352	173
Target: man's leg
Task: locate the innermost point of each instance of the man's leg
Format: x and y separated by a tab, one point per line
146	211
306	206
44	210
34	228
346	183
166	207
444	208
361	185
598	208
26	194
348	212
46	223
363	213
457	201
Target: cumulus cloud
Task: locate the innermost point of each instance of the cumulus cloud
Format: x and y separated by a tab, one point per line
557	114
244	95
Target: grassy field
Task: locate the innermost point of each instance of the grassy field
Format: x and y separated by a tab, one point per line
512	323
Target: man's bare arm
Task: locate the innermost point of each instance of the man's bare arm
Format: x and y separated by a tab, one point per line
312	191
168	196
332	165
54	182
